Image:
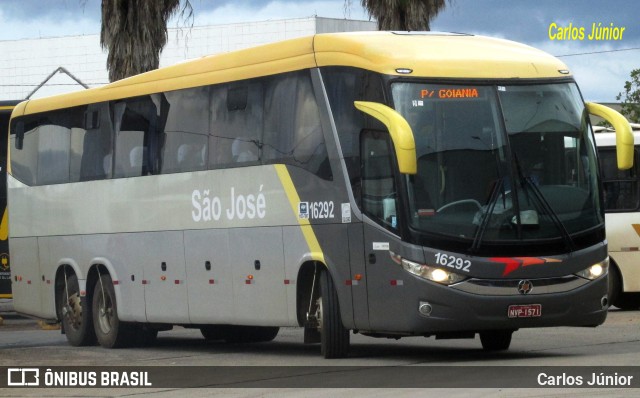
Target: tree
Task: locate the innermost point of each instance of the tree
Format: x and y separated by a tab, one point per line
631	98
134	32
403	14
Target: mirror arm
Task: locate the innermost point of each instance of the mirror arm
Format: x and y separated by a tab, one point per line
400	131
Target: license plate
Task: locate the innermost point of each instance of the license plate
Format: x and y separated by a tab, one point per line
525	311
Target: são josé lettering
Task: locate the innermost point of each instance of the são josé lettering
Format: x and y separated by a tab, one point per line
211	208
597	379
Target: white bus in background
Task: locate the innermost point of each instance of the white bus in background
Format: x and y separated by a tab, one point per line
622	207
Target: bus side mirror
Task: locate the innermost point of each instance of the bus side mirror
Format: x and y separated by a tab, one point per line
624	136
400	132
19	126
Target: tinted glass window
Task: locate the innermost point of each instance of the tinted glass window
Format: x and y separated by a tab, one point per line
53	154
236	124
379	194
293	133
344	86
186	130
620	186
95	145
136	123
180	131
52	148
24	161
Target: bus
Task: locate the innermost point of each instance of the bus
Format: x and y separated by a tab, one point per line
5	266
622	206
389	184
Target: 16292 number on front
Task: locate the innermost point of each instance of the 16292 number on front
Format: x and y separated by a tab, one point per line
447	260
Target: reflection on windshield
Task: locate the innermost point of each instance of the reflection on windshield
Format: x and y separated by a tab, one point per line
536	180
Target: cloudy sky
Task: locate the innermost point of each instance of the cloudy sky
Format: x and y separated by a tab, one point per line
600	67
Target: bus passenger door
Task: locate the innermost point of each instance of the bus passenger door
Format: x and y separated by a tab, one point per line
379	204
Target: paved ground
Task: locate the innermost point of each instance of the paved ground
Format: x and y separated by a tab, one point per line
615	344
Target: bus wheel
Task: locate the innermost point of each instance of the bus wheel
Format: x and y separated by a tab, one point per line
75	314
496	340
111	333
615	285
334	337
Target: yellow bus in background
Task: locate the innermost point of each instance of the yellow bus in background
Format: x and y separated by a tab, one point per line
5	269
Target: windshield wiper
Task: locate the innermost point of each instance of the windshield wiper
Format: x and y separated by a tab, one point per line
493	199
545	205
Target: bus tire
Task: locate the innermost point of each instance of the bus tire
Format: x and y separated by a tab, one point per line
496	340
334	337
615	285
75	314
110	331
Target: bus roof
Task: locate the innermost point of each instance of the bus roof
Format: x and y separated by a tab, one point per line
8	105
426	54
609	138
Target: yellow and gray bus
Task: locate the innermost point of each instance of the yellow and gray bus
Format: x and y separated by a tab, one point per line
389	184
5	266
622	215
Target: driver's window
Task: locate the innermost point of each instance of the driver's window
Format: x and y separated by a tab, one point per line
379	199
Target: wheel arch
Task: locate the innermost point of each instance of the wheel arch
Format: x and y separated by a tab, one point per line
69	267
304	284
102	266
614	268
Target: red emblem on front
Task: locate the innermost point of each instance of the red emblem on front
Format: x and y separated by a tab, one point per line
513	263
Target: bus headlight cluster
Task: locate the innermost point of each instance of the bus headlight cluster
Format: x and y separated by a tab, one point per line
432	273
596	270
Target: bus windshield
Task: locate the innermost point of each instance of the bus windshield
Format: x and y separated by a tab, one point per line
500	163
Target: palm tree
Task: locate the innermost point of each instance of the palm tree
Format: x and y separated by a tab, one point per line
403	14
135	31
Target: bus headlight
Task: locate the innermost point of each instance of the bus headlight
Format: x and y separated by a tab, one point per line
432	273
596	270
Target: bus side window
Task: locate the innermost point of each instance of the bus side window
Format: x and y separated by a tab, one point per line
378	182
620	186
24	158
94	144
293	133
45	157
345	85
135	133
236	124
186	130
